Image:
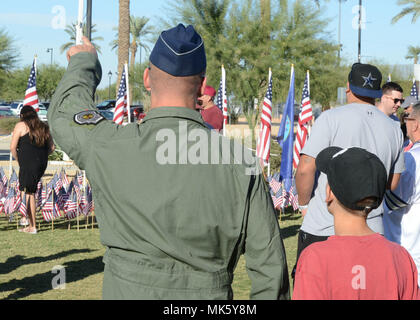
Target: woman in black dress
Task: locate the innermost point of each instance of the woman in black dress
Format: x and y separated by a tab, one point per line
30	146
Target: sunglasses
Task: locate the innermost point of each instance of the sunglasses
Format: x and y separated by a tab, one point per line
396	100
406	117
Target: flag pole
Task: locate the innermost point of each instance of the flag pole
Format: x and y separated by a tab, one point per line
269	140
128	92
52	218
223	99
79	26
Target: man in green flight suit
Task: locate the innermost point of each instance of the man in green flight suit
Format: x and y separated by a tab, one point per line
175	211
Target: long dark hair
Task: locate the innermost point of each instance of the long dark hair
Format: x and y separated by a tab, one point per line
39	132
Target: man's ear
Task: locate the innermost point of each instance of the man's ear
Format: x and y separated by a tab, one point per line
146	79
329	194
203	86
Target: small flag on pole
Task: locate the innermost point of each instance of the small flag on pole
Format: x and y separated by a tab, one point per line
121	104
285	136
305	117
31	96
414	92
263	149
222	99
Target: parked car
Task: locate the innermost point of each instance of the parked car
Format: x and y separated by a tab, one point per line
107	114
107	104
46	105
15	107
42	113
5	112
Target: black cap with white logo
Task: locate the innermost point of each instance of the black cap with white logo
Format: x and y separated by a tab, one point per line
365	80
354	174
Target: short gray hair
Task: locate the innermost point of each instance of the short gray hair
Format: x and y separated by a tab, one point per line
416	110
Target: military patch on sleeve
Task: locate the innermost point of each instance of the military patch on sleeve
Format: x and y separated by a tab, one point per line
88	117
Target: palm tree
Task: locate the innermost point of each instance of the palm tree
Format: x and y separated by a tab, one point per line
71	31
412	8
123	36
8	55
138	32
413	53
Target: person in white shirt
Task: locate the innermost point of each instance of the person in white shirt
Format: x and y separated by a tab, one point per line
402	206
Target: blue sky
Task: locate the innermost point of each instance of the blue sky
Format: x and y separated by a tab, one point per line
38	25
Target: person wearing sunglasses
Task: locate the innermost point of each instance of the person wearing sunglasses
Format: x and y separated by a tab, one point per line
391	100
402	206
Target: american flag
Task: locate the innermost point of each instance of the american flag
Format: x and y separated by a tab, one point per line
31	96
263	150
414	92
305	116
22	208
121	104
50	208
71	206
9	202
64	179
221	100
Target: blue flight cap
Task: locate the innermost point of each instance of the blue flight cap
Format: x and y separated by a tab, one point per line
180	52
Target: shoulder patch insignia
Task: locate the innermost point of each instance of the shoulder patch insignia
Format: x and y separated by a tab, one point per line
88	117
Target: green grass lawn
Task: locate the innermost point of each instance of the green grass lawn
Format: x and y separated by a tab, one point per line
27	261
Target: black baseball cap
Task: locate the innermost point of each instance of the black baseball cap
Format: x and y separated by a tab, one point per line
365	80
353	174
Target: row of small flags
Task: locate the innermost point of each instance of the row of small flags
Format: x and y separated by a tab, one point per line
282	184
59	197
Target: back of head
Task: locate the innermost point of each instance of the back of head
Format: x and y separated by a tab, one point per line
388	87
38	131
365	81
357	177
178	60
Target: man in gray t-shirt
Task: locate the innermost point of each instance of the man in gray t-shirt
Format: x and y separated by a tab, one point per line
357	124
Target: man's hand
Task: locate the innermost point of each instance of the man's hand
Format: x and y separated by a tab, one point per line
85	47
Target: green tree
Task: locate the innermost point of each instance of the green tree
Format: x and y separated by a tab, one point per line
413	7
8	57
71	31
413	53
139	32
47	80
8	52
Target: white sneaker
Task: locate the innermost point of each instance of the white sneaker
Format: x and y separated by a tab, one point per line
23	222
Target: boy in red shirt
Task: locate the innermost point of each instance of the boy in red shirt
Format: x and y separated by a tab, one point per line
356	263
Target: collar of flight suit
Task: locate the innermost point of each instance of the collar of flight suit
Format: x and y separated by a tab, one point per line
174	112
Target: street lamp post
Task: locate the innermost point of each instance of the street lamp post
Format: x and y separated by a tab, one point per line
51	50
109	88
360	32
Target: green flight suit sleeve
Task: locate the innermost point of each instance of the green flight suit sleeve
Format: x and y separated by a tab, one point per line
74	94
264	250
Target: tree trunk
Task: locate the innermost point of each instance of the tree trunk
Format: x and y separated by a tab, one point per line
123	37
133	50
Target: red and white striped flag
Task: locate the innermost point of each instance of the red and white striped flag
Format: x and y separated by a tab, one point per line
222	99
121	104
305	117
31	96
263	149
